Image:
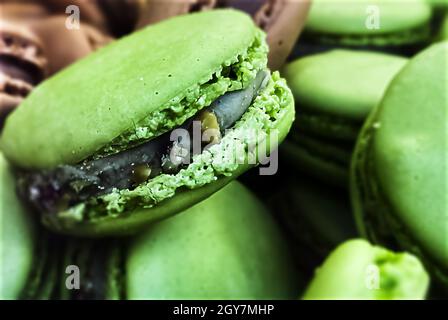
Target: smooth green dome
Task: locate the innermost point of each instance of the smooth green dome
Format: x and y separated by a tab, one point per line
226	247
342	83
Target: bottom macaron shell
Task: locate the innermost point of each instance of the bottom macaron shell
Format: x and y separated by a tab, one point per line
227	247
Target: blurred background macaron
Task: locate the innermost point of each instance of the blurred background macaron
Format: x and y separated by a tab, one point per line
378	25
334	93
315	217
398	180
357	270
226	247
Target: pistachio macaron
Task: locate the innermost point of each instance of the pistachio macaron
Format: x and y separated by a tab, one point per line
379	24
334	93
398	175
225	247
131	134
358	270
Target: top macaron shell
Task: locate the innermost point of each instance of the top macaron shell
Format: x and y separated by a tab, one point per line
17	238
73	114
342	83
409	150
349	18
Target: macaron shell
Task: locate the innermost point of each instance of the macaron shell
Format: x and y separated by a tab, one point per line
358	270
341	83
410	154
88	104
227	247
349	262
17	238
338	17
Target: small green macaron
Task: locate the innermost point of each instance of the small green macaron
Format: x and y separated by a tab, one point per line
378	23
119	139
334	93
398	175
226	247
358	270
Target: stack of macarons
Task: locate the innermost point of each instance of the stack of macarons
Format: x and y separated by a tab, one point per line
334	93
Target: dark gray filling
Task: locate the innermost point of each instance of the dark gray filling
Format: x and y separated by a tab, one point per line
53	190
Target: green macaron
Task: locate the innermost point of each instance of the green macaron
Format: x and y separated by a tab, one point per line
358	270
378	23
148	125
398	180
334	93
226	247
